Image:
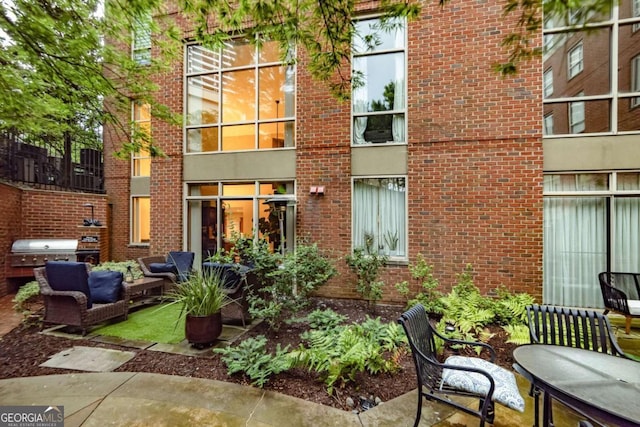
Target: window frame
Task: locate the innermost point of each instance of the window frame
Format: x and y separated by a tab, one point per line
140	160
405	237
547	83
283	122
141	39
580	109
635	80
404	50
257	198
545	127
575	68
136	229
555	29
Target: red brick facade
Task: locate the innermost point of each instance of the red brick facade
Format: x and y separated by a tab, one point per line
474	163
40	214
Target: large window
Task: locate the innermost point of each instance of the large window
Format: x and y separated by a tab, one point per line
141	160
379	76
593	65
591	224
220	211
380	216
141	43
140	220
239	98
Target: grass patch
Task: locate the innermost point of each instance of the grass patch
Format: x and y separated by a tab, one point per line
154	324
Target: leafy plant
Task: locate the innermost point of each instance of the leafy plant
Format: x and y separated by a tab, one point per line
391	239
26	298
367	268
322	319
429	296
120	266
288	287
512	308
339	353
251	358
202	294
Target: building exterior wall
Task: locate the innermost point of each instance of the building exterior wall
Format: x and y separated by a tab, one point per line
473	160
41	214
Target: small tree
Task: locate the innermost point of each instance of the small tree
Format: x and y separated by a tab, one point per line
367	269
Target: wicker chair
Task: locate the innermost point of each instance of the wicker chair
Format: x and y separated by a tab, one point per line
181	267
73	307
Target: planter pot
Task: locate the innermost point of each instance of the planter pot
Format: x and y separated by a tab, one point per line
203	331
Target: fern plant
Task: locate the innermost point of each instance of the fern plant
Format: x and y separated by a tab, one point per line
340	353
251	358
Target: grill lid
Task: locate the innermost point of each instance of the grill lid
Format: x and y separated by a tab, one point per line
44	245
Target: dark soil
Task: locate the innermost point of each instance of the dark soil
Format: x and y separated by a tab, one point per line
24	349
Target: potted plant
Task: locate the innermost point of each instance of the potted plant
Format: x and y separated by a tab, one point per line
202	297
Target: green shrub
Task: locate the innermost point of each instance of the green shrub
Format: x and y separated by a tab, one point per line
25	300
286	289
338	354
120	266
428	296
251	358
367	268
322	319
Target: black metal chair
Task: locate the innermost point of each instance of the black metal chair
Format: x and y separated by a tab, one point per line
431	384
568	327
621	294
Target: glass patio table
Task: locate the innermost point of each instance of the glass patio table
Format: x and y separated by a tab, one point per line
603	388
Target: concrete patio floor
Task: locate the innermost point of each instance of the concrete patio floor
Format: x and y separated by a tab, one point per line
142	399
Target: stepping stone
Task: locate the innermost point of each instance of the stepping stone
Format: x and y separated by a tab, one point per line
91	359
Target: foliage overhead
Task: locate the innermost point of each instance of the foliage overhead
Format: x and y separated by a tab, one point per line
56	71
66	69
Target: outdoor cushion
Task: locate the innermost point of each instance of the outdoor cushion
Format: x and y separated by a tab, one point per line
69	276
183	262
506	389
634	307
162	267
105	286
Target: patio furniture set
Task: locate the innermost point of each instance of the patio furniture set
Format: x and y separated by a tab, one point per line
573	358
76	296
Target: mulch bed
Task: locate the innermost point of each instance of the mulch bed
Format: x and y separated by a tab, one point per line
24	349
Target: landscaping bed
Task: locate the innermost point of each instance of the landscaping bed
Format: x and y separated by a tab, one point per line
24	349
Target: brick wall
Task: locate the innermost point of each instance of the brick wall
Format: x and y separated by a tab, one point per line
40	214
474	159
10	211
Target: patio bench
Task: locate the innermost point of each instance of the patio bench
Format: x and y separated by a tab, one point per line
621	294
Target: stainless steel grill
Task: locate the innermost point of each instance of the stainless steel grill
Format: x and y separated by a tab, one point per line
36	252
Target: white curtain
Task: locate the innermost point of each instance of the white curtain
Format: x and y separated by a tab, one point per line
379	211
360	104
397	125
574	250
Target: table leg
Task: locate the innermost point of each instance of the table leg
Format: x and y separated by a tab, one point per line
547	417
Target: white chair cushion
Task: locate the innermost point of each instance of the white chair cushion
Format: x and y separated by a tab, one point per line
506	389
634	306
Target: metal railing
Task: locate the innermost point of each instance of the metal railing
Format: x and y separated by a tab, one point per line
51	165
